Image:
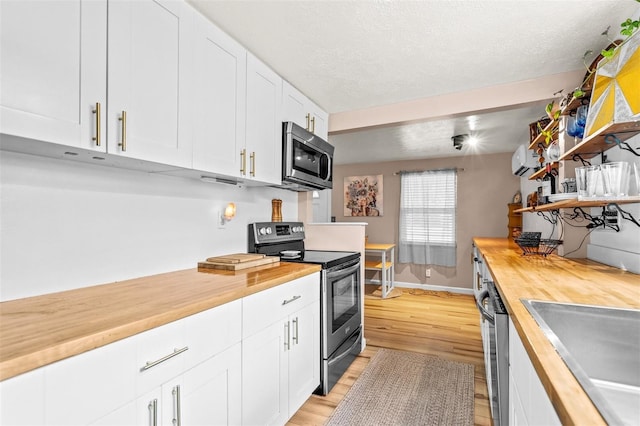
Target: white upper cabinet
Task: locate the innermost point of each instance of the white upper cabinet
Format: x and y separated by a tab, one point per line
263	155
302	111
53	71
220	98
150	70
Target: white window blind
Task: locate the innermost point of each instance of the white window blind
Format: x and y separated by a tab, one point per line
428	217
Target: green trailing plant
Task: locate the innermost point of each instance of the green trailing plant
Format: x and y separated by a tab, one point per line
548	134
628	28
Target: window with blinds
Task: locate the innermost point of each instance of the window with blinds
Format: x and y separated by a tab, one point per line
428	217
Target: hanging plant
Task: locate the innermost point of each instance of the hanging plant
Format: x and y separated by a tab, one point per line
628	28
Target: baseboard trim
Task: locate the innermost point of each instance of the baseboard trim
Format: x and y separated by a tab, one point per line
431	287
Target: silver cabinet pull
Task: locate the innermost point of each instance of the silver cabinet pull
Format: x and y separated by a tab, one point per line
293	299
177	418
97	112
175	352
252	165
153	412
313	125
287	333
295	331
123	134
308	122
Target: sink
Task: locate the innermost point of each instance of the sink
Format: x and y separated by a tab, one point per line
601	347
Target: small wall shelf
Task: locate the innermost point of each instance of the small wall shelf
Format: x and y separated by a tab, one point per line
554	125
596	143
567	204
540	173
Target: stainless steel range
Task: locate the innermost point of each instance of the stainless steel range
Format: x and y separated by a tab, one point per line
341	324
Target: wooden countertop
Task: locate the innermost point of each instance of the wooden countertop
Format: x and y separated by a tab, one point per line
40	330
558	279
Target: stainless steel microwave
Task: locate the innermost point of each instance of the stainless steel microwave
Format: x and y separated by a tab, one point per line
307	160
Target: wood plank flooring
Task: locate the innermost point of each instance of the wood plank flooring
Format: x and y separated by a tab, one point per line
435	323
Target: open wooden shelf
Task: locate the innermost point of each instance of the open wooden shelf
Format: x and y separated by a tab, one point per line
576	102
540	173
553	125
565	204
595	144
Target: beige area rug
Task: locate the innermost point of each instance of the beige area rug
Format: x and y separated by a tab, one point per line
407	388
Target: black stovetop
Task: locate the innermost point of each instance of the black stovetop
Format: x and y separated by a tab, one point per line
327	259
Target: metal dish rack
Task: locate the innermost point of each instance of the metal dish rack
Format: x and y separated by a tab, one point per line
531	243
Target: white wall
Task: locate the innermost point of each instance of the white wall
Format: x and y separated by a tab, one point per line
619	249
66	224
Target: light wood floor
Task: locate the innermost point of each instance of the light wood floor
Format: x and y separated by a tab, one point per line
436	323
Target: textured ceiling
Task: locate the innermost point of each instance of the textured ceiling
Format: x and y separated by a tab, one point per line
350	55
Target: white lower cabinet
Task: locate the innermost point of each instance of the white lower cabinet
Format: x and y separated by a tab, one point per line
280	358
529	403
22	399
251	361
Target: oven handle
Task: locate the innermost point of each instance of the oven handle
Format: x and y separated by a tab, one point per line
343	272
484	294
348	351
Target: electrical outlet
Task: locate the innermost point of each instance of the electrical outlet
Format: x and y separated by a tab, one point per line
428	272
611	217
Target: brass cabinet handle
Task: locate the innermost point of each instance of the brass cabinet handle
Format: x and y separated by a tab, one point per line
97	112
308	121
123	141
253	164
243	162
313	124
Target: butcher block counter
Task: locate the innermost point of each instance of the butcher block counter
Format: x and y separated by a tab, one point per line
557	279
40	330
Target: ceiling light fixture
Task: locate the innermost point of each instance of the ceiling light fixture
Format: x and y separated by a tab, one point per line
459	140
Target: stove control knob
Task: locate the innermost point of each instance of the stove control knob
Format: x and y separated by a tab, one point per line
262	231
296	229
269	231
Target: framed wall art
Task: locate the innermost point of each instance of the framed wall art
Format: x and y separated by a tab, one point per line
363	195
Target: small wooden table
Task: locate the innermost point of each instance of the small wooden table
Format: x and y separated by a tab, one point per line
385	265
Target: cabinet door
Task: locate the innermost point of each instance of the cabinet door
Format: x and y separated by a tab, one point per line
211	392
301	110
150	70
304	357
221	65
22	399
53	70
84	388
264	122
294	106
319	122
123	416
264	376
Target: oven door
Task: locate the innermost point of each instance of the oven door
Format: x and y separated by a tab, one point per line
341	305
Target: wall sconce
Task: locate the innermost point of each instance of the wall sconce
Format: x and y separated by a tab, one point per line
227	214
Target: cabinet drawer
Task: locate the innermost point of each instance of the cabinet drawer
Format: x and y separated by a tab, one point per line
211	332
263	309
160	355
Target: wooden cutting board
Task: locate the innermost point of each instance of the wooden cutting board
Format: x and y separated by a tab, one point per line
225	265
236	258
